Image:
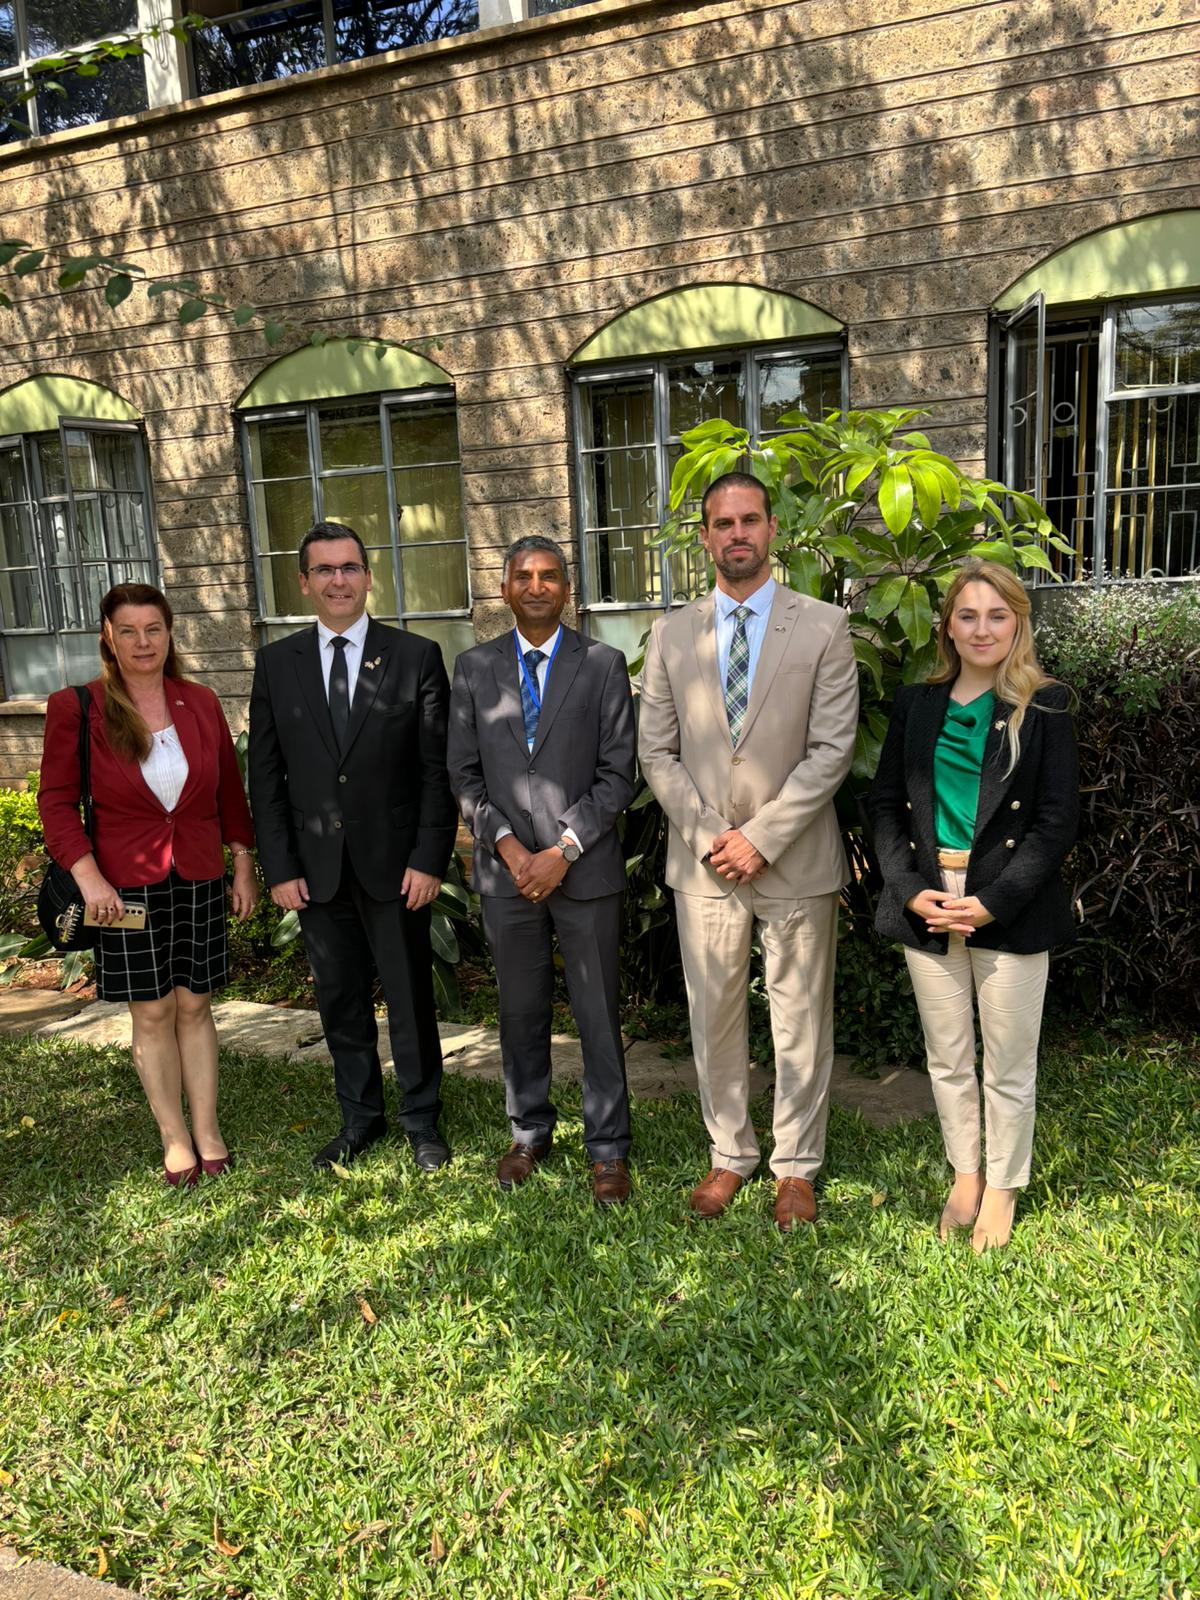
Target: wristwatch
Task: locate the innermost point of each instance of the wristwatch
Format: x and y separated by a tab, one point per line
571	851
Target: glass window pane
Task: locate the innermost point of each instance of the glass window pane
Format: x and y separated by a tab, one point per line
274	44
56	25
435	578
624	630
116	457
117	90
1158	345
627	567
281	595
18	547
90	527
80	655
1153	499
689	575
12	474
703	389
617	415
279	448
366	27
452	636
381	602
360	503
8	36
421	434
796	383
619	488
429	503
283	515
350	437
56	531
48	447
68	590
31	666
79	459
21	600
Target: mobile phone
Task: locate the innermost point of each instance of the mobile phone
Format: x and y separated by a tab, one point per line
133	921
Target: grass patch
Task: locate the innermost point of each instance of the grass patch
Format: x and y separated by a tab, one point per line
393	1386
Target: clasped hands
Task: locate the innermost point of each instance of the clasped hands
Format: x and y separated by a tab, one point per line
732	856
536	873
419	889
948	913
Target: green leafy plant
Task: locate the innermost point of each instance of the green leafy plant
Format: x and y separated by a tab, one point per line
873	518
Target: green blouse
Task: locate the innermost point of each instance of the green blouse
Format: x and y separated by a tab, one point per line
957	764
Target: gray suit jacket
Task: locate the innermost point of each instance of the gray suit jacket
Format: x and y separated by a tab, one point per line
579	774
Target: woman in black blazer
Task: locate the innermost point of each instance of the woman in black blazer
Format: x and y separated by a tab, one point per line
974	809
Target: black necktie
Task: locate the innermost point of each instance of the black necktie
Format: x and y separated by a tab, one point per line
339	691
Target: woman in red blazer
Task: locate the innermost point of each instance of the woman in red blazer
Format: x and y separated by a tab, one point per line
167	796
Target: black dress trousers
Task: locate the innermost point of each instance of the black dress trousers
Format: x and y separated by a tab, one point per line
349	939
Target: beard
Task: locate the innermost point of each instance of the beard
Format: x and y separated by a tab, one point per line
741	564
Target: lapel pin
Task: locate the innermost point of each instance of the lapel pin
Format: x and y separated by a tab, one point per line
371	665
998	725
179	702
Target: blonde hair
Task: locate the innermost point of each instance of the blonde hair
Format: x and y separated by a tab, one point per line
1019	676
124	725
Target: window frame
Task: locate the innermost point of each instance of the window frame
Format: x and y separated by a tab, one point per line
37	499
20	68
310	411
657	368
1108	396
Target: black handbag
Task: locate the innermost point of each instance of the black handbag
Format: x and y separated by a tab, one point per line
60	905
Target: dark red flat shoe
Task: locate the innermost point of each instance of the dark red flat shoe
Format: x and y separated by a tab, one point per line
217	1166
187	1179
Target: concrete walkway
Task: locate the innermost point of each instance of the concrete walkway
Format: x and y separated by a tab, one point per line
898	1096
38	1580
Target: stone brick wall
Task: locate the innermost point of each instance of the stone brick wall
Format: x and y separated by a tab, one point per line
508	193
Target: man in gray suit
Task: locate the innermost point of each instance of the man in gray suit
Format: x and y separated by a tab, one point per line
541	757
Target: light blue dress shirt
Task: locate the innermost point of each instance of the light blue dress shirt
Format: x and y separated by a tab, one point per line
760	603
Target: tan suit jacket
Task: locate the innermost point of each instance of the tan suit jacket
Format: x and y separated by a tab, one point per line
796	746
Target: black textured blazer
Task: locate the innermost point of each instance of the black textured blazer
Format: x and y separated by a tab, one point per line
1024	825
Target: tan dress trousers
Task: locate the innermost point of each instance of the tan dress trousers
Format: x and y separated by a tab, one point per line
798	938
1010	990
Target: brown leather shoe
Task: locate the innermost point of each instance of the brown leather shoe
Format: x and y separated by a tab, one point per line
610	1182
794	1202
712	1194
518	1162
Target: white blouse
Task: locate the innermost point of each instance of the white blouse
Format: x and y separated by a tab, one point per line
165	769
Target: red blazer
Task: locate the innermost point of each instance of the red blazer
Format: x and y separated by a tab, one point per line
136	838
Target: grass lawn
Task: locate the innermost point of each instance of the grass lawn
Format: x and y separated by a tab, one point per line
392	1386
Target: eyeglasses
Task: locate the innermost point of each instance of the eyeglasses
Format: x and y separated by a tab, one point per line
348	569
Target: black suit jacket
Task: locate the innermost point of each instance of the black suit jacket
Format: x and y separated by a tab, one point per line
1025	823
578	775
385	799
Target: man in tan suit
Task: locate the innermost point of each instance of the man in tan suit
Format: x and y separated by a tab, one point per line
749	705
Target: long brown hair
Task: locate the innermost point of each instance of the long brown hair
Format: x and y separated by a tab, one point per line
1019	676
124	724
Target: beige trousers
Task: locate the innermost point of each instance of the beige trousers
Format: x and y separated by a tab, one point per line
799	938
1010	990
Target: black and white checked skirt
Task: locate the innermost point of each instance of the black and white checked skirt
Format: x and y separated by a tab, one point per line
184	945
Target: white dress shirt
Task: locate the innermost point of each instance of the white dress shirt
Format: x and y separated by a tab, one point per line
165	769
355	638
543	667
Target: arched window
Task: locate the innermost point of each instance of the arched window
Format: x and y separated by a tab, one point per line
336	434
1099	396
76	516
713	350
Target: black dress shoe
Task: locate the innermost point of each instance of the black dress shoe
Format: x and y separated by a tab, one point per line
430	1150
349	1145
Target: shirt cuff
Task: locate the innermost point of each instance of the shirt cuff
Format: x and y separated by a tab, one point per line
569	833
503	833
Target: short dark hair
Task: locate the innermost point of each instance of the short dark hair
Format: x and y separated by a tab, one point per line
733	480
321	531
536	541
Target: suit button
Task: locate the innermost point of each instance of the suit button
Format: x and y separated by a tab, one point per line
908	805
337	824
1010	844
341	777
911	845
528	815
1016	806
532	771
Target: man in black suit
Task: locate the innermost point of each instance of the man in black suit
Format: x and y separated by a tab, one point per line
542	762
355	825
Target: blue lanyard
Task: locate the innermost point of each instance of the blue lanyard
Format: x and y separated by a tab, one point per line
531	677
